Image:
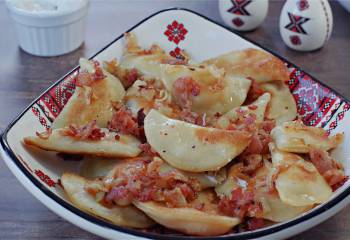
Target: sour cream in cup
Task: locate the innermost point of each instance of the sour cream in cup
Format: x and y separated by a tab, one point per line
49	27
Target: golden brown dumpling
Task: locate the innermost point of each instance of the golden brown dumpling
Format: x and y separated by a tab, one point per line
296	137
188	220
253	63
274	209
191	147
258	108
107	146
298	182
282	106
91	102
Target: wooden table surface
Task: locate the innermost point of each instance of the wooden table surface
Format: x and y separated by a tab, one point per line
23	77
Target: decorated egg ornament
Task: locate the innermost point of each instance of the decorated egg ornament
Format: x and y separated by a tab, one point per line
306	25
243	15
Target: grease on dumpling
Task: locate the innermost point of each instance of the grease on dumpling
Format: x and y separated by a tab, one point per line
296	137
253	63
190	147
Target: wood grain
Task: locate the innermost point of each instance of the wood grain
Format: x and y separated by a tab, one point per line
24	76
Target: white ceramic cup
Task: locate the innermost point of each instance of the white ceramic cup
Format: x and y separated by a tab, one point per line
51	30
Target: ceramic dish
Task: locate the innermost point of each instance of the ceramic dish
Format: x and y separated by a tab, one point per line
172	29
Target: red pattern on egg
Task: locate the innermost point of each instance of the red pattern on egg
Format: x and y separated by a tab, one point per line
238	22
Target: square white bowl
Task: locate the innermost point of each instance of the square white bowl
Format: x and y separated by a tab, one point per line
202	38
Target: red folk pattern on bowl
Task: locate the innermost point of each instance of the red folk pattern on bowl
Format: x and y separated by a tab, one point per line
314	101
49	106
39	173
176	33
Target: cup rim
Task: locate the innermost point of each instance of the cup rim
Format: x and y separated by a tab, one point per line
45	14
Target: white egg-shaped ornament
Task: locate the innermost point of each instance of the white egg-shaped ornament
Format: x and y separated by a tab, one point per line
243	15
306	25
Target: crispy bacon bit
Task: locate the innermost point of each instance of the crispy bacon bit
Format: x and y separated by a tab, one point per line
98	75
268	125
140	117
199	206
143	181
120	195
339	184
329	168
130	77
192	117
117	137
255	146
245	121
255	223
250	119
240	204
187	191
88	132
184	88
260	139
84	78
252	163
259	143
254	92
174	61
188	116
44	135
217	115
123	122
147	149
252	107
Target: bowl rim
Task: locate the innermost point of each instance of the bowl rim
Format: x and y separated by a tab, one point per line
95	220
